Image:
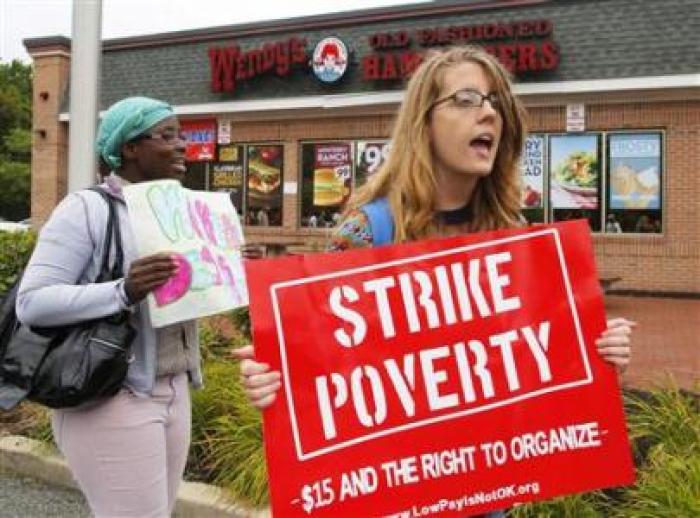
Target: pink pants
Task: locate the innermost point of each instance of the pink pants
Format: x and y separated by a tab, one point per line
128	453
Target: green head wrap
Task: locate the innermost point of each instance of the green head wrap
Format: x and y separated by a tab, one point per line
125	120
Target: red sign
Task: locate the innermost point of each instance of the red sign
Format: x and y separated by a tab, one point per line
332	155
201	139
449	376
519	56
229	65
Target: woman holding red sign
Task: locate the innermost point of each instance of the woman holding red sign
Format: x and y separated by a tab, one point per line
452	169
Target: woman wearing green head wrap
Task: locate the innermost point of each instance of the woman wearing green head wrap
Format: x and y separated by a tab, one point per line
139	138
127	452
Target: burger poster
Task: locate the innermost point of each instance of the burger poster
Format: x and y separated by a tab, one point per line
265	175
200	136
532	172
635	164
332	174
447	377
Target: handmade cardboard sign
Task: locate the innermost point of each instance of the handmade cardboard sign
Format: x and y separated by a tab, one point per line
202	230
449	376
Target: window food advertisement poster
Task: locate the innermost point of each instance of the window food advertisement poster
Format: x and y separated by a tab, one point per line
332	174
228	177
265	175
371	155
532	172
635	171
575	171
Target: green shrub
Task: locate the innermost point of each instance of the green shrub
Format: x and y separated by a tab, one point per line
208	404
28	419
669	485
213	344
587	505
664	427
227	447
15	249
665	416
240	317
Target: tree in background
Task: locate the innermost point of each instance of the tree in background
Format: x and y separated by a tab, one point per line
15	140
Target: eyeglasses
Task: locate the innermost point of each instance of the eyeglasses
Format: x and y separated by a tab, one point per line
165	135
469	98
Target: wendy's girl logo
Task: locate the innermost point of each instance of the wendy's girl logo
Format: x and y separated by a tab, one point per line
330	60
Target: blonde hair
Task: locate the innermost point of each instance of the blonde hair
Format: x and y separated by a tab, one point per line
407	178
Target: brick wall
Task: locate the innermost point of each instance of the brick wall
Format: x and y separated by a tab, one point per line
667	262
49	135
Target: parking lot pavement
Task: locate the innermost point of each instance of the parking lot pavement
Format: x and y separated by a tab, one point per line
23	497
667	340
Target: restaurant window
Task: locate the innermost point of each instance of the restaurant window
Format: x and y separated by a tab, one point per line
326	182
574	174
532	168
252	176
264	165
634	175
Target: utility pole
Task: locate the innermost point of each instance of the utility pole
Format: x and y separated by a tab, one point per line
86	51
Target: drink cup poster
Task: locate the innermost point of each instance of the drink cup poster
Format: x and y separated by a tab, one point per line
447	377
203	231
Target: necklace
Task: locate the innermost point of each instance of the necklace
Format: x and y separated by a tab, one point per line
455	216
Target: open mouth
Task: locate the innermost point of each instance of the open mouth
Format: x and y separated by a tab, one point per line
482	143
180	166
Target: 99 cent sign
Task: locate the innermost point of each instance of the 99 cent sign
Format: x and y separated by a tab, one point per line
449	376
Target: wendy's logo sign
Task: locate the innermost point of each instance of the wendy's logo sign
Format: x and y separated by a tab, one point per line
230	65
330	60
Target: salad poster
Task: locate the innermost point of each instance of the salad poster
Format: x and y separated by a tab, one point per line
575	170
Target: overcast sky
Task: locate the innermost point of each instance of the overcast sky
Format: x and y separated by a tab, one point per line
20	19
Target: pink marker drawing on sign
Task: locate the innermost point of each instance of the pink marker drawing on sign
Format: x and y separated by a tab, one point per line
175	287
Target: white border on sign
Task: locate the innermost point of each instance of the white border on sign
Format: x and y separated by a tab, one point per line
301	455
